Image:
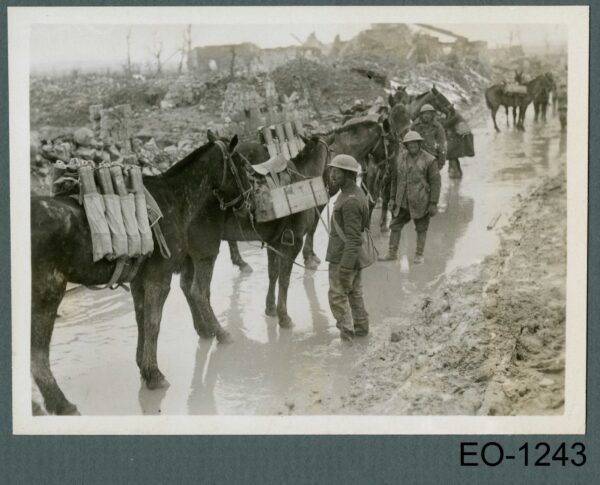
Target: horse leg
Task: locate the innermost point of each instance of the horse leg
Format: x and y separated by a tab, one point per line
45	302
137	292
236	258
311	261
493	113
156	290
200	298
186	283
285	270
270	308
506	112
544	109
514	113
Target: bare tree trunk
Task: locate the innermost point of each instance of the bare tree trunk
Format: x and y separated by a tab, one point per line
129	73
232	67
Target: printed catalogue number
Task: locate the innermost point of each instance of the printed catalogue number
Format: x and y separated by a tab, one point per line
492	453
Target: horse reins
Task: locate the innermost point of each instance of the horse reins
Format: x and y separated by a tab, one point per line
229	165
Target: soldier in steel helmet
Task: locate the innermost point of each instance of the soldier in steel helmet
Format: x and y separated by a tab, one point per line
434	136
415	192
350	217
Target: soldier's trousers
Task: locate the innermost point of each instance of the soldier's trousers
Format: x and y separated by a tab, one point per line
399	221
348	307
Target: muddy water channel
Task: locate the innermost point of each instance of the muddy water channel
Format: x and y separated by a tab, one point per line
268	370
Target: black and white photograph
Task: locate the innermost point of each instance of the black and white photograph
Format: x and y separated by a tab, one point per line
298	220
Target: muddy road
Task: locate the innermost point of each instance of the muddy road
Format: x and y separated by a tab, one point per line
268	370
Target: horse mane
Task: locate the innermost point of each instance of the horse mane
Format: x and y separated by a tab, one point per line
182	164
419	96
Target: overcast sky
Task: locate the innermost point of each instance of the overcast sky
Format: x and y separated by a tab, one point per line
59	46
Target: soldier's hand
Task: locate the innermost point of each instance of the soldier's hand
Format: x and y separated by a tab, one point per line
432	210
346	278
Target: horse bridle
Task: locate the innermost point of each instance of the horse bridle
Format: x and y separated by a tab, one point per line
229	166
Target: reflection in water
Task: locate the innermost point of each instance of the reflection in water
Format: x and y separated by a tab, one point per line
267	369
320	321
387	287
151	401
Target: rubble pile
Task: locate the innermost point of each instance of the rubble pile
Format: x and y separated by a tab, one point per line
382	48
323	85
184	91
462	83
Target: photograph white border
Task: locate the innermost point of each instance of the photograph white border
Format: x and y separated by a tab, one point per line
576	18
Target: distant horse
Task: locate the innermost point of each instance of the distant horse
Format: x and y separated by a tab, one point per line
496	96
284	238
61	252
541	100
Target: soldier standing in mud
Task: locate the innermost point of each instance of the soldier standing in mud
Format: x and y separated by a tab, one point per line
349	219
415	192
434	136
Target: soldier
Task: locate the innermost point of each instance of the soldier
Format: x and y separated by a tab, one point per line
415	192
562	106
434	136
350	217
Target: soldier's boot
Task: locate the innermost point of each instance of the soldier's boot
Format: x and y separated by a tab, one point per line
392	254
421	237
454	170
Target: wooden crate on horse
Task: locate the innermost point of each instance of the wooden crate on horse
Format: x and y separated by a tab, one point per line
277	197
290	199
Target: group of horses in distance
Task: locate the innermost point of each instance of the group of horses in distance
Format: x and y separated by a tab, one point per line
537	91
191	195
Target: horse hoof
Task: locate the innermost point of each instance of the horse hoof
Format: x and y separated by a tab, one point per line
310	264
224	337
285	322
316	259
271	311
68	409
246	268
157	382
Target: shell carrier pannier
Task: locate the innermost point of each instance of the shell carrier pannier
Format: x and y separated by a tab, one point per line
368	253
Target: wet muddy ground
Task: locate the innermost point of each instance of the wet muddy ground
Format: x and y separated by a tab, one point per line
306	369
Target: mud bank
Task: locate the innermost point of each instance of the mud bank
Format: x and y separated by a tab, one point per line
488	340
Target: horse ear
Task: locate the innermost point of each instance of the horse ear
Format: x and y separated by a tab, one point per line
233	143
433	89
386	125
211	136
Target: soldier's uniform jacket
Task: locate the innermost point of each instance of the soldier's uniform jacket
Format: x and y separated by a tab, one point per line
419	180
434	137
351	212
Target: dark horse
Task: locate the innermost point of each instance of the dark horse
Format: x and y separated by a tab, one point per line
283	236
414	103
364	139
368	142
496	96
61	252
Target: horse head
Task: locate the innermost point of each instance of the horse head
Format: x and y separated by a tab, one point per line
234	186
440	102
314	156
